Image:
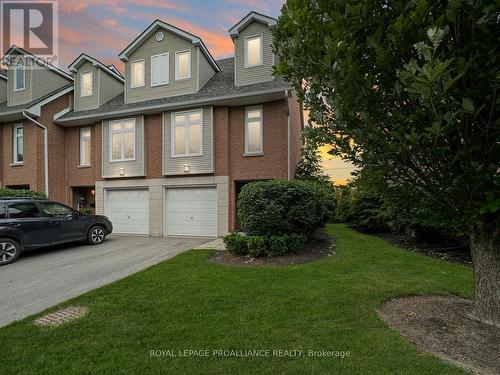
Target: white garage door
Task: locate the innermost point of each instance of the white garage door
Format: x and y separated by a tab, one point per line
128	210
191	212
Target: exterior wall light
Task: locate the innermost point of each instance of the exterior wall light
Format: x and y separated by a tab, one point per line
187	168
122	171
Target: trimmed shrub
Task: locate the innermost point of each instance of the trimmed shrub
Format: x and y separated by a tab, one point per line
257	246
283	207
278	246
236	243
12	193
296	243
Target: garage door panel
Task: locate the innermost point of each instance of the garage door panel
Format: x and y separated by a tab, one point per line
191	212
128	210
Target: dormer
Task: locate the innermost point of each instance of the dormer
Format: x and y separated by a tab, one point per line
29	77
165	61
253	52
3	86
95	83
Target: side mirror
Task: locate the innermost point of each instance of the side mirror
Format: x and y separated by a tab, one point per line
75	214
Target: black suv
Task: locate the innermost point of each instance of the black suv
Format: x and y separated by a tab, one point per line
27	224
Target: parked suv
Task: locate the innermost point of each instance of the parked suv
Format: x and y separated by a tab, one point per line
27	224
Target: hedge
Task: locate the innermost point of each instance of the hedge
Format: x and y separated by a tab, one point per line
12	193
281	207
261	246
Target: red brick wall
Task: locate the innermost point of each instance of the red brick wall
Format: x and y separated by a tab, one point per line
296	127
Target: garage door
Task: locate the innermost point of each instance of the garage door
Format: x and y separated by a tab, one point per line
191	212
128	210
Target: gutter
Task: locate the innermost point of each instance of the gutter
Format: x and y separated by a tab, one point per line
45	151
289	126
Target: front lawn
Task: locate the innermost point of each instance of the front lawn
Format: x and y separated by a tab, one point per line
189	303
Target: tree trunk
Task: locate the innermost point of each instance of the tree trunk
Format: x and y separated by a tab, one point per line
485	249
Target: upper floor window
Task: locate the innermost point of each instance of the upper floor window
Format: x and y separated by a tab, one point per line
86	84
19	78
254	130
122	140
137	70
159	69
85	147
254	51
187	133
18	146
183	65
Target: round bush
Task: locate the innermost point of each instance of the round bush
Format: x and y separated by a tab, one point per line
283	207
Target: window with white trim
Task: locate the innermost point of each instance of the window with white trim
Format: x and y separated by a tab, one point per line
18	146
254	51
159	69
137	73
122	140
85	147
19	78
86	84
187	133
183	65
254	132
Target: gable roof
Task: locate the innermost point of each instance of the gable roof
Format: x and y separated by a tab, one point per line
84	57
115	69
250	17
157	24
18	50
3	74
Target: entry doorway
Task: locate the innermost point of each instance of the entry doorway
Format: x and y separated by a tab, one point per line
84	199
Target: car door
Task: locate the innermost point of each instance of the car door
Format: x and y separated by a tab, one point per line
66	224
26	222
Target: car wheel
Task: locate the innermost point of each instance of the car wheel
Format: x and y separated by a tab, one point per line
96	235
9	251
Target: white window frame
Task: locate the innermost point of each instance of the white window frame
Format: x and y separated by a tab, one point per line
245	48
24	78
14	146
177	78
186	134
168	69
91	84
122	138
261	151
82	140
132	85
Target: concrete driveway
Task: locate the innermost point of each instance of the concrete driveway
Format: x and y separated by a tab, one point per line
44	278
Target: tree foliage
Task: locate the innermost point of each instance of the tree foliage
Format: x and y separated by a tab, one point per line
309	167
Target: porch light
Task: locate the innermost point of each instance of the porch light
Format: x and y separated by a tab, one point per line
187	168
93	192
122	171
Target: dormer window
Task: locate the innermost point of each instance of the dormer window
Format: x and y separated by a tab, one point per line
137	70
19	78
86	84
254	52
183	65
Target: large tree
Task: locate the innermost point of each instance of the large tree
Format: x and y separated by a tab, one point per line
409	89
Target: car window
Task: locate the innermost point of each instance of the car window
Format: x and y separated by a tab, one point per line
55	209
23	210
2	211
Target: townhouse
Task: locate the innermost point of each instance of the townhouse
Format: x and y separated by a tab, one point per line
162	150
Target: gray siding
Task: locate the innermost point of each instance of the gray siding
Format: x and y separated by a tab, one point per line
133	168
255	74
87	102
197	164
45	81
109	87
3	90
19	97
171	43
206	70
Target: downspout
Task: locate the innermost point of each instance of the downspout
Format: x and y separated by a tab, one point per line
45	151
289	125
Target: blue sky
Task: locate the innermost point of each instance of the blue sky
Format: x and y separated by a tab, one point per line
103	28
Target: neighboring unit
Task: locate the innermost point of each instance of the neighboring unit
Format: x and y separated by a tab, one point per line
165	149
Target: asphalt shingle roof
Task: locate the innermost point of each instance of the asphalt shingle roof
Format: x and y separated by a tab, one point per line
220	85
4	108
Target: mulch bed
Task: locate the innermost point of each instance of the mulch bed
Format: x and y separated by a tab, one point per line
454	253
319	247
441	326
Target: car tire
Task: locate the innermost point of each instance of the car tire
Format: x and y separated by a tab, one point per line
9	251
96	235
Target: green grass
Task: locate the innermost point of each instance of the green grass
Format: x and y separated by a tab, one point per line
188	303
